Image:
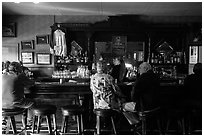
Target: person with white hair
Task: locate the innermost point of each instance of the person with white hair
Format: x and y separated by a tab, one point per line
145	89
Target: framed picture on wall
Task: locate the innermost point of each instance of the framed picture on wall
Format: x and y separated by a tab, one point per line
9	30
27	45
43	58
27	57
42	39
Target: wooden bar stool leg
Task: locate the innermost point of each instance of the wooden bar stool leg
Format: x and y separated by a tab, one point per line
38	124
189	124
8	125
24	121
63	124
55	124
13	125
98	125
159	126
78	124
143	125
167	126
33	124
183	126
49	124
66	124
113	124
82	124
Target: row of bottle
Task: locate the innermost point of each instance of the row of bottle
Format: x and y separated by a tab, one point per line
81	72
132	73
82	58
164	72
170	59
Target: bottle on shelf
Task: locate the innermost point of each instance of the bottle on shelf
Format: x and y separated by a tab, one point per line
85	57
152	58
82	58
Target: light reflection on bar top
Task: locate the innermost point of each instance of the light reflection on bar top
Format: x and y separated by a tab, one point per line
66	83
75	83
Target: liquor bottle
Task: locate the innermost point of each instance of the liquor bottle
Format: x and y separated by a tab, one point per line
175	59
85	57
156	60
82	58
178	59
152	59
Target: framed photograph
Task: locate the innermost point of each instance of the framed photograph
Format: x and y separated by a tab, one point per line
43	58
42	39
27	45
27	57
9	30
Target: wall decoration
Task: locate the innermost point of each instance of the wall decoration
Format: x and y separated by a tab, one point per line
27	45
119	45
27	57
193	54
43	58
9	30
42	39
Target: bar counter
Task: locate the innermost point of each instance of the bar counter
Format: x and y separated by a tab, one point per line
55	90
54	93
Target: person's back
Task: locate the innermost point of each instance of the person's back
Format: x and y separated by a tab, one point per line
145	91
13	84
193	85
7	90
105	93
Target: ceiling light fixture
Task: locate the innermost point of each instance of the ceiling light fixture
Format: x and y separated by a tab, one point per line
36	2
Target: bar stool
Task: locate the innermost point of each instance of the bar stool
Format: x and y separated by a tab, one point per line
176	115
44	110
143	115
106	113
72	110
11	113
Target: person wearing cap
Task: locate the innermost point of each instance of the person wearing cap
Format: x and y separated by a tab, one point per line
13	84
145	89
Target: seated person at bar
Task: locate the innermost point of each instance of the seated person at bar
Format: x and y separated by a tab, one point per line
145	89
6	66
119	70
193	86
13	84
106	95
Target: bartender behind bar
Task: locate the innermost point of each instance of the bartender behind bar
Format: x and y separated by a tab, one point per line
119	70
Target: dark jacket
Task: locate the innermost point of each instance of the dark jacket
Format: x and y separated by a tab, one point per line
193	90
145	91
119	72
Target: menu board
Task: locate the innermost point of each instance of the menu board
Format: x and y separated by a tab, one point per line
119	44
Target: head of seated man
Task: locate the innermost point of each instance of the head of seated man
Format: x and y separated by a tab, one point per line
15	67
197	69
144	68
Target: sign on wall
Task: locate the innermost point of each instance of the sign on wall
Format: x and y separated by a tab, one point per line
119	44
193	54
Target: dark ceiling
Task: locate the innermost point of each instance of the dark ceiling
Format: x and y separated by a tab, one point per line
103	8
